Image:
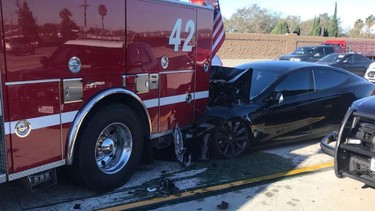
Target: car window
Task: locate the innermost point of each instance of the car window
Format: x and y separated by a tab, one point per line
329	50
327	78
358	58
349	59
319	52
260	80
296	83
303	51
62	55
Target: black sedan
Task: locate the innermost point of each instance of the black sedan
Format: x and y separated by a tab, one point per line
353	62
276	101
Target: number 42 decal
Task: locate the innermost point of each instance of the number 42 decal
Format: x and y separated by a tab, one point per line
175	37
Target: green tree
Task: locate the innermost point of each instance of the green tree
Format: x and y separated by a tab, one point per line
293	22
297	30
324	22
315	30
252	19
26	21
333	28
281	28
69	28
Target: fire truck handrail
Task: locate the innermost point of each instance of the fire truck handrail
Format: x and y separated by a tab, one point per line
77	122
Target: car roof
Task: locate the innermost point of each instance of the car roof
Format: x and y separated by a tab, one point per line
277	65
316	46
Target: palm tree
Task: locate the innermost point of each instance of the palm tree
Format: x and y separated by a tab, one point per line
102	12
357	30
370	21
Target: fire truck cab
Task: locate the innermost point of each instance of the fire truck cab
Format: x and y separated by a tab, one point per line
106	78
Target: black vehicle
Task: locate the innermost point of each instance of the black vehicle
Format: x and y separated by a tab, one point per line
353	62
354	155
277	101
309	53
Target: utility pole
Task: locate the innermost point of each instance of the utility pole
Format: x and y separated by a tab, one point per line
85	5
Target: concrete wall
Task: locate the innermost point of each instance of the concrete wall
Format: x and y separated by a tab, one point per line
263	46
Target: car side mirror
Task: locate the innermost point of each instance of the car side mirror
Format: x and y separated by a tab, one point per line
276	97
346	62
279	97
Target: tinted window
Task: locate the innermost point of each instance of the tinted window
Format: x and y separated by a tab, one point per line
62	55
298	82
260	80
349	59
329	50
303	51
327	78
358	58
319	52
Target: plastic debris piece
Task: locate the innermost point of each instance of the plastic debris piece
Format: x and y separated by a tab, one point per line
152	189
77	207
223	206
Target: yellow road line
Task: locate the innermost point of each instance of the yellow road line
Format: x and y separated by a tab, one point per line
221	187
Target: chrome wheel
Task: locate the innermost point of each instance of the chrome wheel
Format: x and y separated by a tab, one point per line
231	138
113	148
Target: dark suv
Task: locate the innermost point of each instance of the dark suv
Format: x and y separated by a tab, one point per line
309	53
354	154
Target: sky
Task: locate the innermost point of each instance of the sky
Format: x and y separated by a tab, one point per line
348	11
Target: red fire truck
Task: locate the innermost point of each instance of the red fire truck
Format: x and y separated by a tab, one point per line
103	80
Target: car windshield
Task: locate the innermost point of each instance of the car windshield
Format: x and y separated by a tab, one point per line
260	80
303	51
332	58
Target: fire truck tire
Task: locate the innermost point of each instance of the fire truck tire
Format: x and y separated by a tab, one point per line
230	139
109	148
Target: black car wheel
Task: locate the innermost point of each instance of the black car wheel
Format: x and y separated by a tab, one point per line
108	149
230	139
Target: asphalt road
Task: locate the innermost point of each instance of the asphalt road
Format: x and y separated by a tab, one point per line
316	191
258	165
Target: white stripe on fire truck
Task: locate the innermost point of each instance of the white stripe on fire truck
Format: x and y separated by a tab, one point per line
67	117
201	95
42	122
174	99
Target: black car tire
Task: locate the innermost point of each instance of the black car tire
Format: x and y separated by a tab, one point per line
108	149
230	138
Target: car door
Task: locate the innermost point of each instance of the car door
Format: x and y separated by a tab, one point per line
352	64
288	117
360	64
329	101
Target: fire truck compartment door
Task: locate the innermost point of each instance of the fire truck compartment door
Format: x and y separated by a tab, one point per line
176	105
35	123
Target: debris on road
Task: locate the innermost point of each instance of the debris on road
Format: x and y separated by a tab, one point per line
223	206
164	188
